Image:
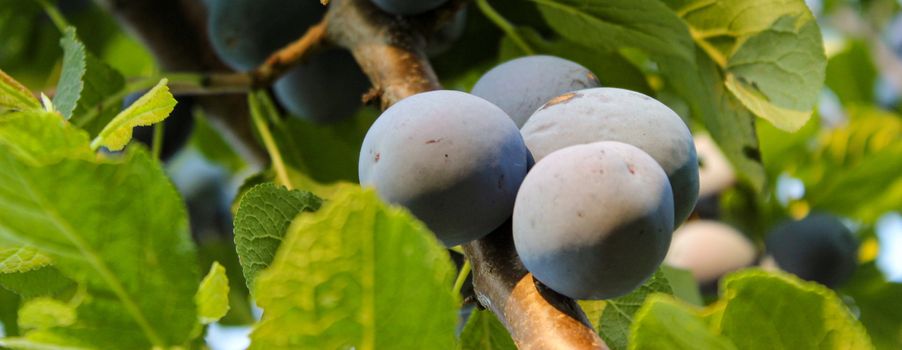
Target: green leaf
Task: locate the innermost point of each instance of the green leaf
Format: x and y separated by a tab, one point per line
730	124
757	310
665	323
9	309
360	274
873	294
851	73
213	146
15	96
483	331
121	231
39	137
101	82
618	313
683	284
643	24
783	312
212	296
21	259
222	250
45	281
152	107
770	51
45	313
71	82
263	217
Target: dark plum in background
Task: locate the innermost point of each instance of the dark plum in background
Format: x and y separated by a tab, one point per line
611	114
594	221
453	159
520	86
817	248
407	7
326	87
245	32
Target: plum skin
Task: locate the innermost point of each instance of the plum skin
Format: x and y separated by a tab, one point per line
817	248
611	114
594	221
407	7
453	159
244	33
522	85
710	249
327	88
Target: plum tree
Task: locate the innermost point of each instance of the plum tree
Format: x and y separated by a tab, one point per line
710	249
176	128
520	86
594	221
453	159
245	32
325	88
407	7
817	248
611	114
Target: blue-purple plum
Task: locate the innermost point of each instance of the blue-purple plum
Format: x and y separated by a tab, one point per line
520	86
594	221
453	159
611	114
326	88
817	248
245	32
709	250
408	7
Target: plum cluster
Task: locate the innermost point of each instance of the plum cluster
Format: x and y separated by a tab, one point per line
325	88
614	171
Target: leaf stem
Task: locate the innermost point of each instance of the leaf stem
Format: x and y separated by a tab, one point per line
461	277
504	25
157	145
55	16
268	141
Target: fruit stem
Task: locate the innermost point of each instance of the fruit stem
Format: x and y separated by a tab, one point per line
504	25
157	145
461	277
55	16
268	141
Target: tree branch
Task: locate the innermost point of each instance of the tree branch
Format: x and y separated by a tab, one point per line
390	50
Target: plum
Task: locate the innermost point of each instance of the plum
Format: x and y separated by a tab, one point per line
611	114
818	248
327	88
245	32
453	159
520	86
710	249
407	7
594	221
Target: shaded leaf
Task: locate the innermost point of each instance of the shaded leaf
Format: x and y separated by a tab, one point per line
617	317
483	331
71	82
262	219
